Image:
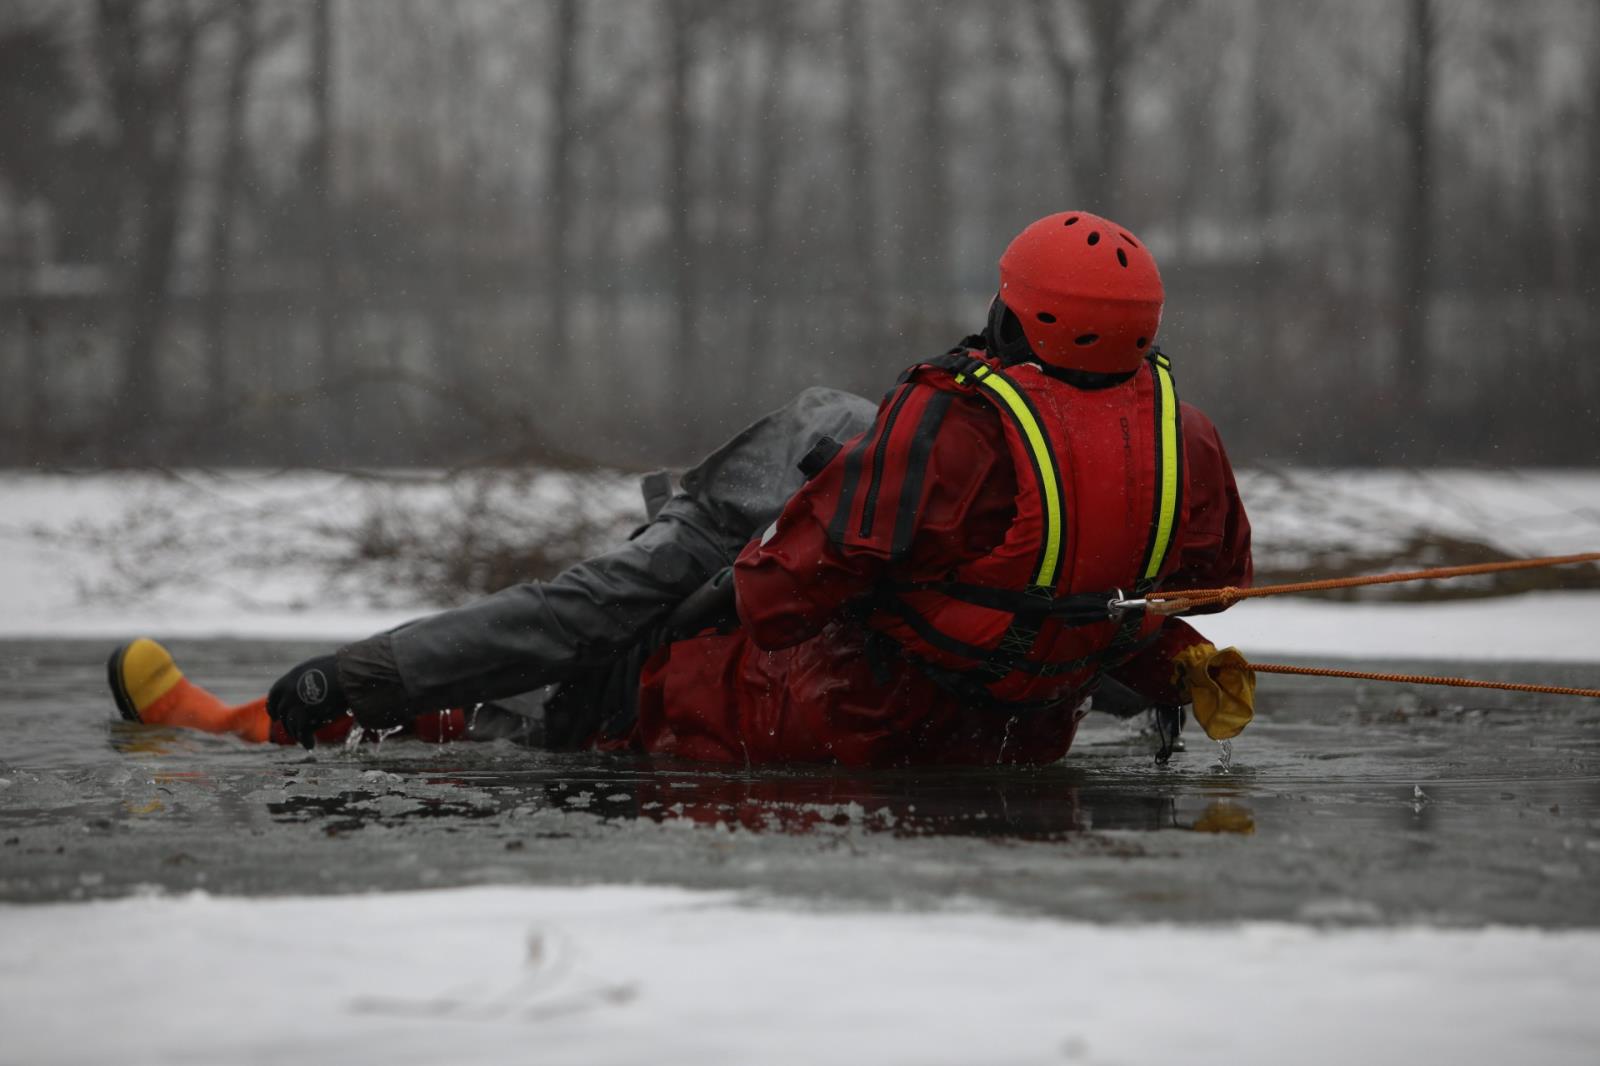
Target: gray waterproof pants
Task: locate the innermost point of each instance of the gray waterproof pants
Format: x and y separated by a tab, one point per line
591	625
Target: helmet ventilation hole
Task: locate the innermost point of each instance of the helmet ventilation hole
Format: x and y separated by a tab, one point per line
1071	221
1130	240
1122	257
1094	238
1045	316
1086	339
1141	342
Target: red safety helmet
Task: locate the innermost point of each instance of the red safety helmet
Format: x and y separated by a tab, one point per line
1085	293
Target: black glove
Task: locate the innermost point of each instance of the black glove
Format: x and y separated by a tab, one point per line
308	698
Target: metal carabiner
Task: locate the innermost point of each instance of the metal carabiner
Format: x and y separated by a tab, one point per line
1117	606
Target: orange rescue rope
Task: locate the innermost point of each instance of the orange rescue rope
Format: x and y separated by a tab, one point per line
1423	679
1176	602
1179	601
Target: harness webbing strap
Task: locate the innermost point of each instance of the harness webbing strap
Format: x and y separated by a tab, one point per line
999	661
1038	601
1043	462
1169	468
1076	609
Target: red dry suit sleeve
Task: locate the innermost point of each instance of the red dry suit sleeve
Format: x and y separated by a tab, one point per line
1150	673
1215	552
930	484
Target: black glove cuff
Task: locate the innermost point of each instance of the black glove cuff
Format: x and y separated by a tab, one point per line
372	684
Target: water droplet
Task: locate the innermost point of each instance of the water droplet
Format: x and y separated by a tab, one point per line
1010	722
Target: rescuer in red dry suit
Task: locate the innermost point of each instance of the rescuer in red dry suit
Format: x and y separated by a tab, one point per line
942	587
938	590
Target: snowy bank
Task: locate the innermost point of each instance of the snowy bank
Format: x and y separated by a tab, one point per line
1535	627
279	555
615	974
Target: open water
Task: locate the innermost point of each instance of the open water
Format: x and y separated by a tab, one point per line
1344	803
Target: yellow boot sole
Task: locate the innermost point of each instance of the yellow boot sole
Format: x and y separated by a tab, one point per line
140	673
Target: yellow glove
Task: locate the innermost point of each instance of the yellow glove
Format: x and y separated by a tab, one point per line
1222	686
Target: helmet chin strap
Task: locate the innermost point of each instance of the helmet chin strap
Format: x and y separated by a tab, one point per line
1004	337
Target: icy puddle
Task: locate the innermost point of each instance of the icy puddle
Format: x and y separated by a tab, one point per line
1344	803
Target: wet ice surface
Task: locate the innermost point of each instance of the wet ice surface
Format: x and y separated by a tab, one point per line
1344	803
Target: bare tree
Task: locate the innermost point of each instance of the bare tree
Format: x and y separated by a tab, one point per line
1089	47
456	156
1268	123
146	52
823	164
561	139
677	197
1590	244
860	170
34	95
1414	248
926	231
763	247
242	22
319	182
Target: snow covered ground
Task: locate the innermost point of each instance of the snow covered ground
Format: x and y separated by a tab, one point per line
281	554
275	554
624	974
1532	627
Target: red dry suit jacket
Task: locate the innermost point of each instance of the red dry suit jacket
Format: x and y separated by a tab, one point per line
796	682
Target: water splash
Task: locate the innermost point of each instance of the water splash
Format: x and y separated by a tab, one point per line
1000	755
1225	755
358	736
352	739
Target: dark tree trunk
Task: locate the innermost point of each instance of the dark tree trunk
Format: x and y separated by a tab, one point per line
1589	241
35	413
860	202
762	247
927	249
152	110
319	182
1414	241
1098	157
1064	71
677	198
35	383
230	173
1267	125
559	202
1093	113
148	291
455	158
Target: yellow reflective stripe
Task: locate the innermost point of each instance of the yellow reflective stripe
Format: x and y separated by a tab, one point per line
1049	481
1168	514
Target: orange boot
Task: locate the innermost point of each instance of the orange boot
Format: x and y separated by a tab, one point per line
149	687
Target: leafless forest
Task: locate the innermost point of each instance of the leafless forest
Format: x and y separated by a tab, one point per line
415	232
